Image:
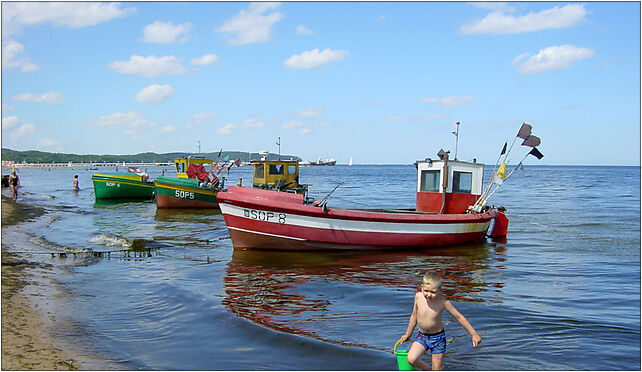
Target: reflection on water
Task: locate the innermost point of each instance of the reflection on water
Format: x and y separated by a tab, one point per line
316	293
184	214
117	202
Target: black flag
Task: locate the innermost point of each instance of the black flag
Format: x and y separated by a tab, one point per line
219	154
535	152
504	149
524	131
531	141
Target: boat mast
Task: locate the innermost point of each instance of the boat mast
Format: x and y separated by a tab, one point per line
279	143
456	133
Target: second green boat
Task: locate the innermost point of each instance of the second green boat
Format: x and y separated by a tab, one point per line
122	186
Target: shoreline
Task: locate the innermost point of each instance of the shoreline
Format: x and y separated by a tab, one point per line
28	319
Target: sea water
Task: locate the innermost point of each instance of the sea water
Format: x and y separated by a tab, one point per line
164	289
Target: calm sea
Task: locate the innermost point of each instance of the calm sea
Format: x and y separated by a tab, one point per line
561	293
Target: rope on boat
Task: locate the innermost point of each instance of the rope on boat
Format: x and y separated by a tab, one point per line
345	199
583	235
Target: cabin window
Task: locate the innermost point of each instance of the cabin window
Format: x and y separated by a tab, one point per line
291	169
429	181
180	167
259	171
462	182
276	169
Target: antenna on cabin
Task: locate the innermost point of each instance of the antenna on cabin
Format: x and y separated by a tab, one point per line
456	133
199	146
279	143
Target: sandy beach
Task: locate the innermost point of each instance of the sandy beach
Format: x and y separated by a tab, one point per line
26	340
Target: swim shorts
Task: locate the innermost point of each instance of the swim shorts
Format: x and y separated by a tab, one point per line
435	342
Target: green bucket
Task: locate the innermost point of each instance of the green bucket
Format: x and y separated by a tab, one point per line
402	359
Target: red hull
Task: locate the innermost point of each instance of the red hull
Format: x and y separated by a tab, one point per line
262	219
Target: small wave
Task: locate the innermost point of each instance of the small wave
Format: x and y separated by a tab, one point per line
111	241
40	241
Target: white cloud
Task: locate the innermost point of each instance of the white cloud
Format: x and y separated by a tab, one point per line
6	107
398	117
129	122
16	15
302	30
315	58
450	101
252	25
207	59
416	118
13	55
150	66
155	93
252	124
381	18
226	129
10	122
294	124
499	23
551	58
311	112
48	143
167	129
499	6
202	116
517	59
166	32
304	131
49	97
24	130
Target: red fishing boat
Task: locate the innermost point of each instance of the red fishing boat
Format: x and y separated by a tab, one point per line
450	209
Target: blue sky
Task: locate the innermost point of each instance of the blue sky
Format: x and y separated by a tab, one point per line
381	82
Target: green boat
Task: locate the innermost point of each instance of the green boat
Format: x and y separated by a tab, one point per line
184	192
172	192
122	186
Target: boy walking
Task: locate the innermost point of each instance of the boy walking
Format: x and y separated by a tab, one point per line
426	314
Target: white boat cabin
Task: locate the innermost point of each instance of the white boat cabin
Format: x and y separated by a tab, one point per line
448	186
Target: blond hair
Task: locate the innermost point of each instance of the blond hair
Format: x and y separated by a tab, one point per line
432	278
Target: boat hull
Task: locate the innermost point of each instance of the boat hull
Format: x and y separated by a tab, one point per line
262	219
121	186
183	193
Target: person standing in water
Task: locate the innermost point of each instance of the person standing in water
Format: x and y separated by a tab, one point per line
426	315
14	183
76	185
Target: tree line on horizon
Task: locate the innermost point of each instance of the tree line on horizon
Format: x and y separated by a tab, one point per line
33	156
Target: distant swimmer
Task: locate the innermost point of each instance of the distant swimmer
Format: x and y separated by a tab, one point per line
14	183
426	315
76	185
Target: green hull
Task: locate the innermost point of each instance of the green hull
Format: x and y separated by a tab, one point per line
121	186
183	193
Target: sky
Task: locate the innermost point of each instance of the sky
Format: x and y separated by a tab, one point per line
378	82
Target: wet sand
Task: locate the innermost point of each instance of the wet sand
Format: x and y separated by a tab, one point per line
27	342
